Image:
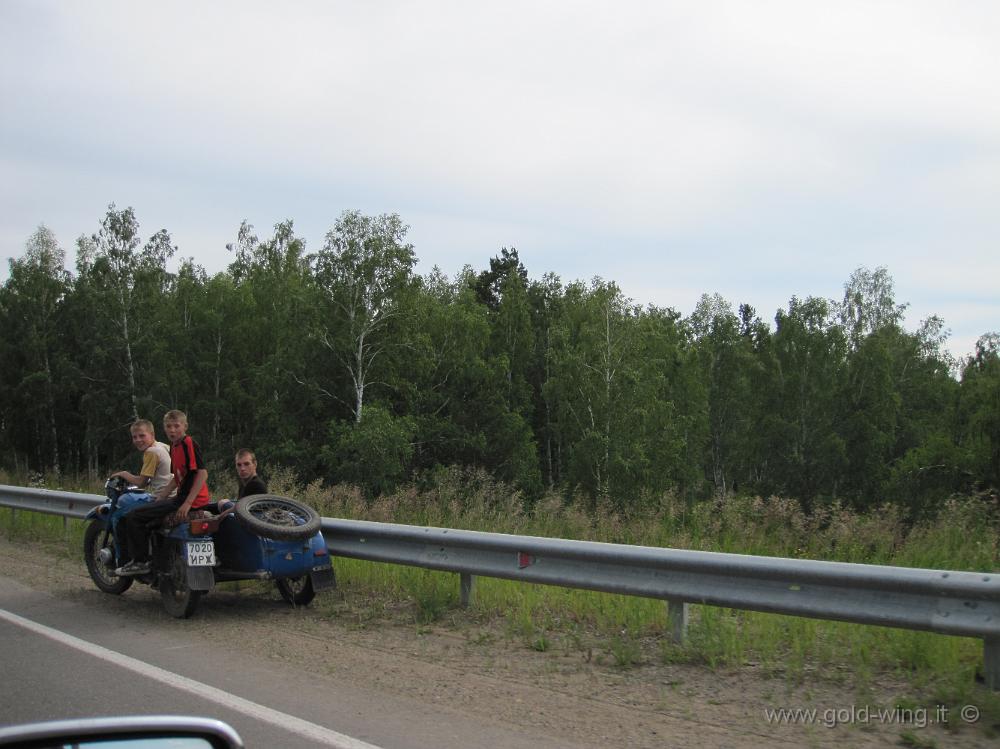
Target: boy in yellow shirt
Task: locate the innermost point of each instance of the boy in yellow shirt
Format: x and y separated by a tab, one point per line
153	476
155	472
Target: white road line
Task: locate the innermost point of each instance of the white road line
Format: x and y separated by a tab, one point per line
311	731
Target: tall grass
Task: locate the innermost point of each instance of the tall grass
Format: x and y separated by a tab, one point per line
628	631
962	536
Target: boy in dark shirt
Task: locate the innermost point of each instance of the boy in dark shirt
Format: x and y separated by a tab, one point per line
246	470
189	478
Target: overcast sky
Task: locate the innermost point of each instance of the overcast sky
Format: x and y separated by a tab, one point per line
755	149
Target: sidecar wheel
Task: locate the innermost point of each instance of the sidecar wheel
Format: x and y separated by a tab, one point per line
298	591
178	599
104	576
280	518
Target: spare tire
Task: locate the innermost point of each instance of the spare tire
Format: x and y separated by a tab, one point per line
280	518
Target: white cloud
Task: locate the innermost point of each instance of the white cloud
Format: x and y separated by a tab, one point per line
722	145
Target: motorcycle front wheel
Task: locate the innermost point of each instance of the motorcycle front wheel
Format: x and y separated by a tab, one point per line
103	575
178	599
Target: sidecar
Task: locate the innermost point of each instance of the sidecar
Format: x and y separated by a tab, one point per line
273	538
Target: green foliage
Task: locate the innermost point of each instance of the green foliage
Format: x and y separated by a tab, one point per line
809	455
625	651
980	408
364	274
431	592
726	362
33	347
928	473
625	630
346	365
374	453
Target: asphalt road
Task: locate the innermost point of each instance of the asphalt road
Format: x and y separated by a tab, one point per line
62	660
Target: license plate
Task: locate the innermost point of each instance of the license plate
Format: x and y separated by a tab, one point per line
200	553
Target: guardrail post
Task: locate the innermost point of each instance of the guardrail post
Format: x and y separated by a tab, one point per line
466	587
991	662
677	619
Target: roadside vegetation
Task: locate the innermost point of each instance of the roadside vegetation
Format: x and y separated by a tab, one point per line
629	632
497	400
341	362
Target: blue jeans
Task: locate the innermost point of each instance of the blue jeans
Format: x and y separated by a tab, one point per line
126	503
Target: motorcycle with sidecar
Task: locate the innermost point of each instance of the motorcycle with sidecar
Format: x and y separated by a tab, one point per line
259	537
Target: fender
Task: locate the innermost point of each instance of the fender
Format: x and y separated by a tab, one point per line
201	578
323	577
100	512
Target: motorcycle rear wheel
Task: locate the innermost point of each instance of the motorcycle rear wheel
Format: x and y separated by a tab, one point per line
104	576
178	599
298	591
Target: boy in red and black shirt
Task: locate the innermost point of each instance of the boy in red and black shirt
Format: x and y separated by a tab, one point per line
189	478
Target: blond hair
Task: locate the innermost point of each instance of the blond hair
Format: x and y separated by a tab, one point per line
175	415
142	425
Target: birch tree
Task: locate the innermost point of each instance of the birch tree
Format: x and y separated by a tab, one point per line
725	360
593	373
445	369
363	270
808	360
35	290
869	304
272	308
980	407
118	264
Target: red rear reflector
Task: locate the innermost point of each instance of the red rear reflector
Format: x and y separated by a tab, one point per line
320	552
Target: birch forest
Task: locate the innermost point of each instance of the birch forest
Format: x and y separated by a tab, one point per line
342	363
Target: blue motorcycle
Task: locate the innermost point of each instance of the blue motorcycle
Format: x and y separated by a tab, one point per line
260	537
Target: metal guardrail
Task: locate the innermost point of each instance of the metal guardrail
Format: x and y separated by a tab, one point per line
49	501
942	601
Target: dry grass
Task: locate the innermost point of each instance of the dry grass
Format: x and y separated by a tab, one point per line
963	536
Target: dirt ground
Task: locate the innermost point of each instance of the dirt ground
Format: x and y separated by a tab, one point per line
477	669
